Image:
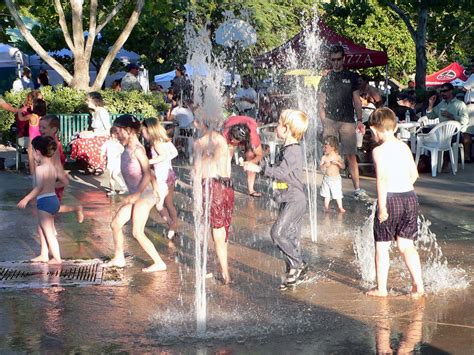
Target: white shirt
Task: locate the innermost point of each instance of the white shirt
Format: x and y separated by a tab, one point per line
112	149
248	94
101	120
183	116
469	86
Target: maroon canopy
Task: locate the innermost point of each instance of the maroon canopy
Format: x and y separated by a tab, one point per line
356	56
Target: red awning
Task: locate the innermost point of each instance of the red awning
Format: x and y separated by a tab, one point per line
452	72
356	56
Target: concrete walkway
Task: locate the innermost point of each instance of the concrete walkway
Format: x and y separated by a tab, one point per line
155	312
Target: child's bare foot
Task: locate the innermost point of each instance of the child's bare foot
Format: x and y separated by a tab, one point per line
155	267
40	259
80	214
417	292
55	262
342	210
377	293
115	262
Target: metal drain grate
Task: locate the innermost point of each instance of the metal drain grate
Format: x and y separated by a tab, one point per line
33	275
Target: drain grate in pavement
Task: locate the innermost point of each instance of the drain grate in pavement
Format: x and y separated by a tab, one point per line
36	275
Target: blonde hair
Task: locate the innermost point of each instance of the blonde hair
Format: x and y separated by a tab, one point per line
297	122
156	131
383	119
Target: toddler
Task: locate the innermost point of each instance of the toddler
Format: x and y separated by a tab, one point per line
331	164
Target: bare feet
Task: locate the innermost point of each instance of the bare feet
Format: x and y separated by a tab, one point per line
155	267
115	262
377	293
40	259
417	292
55	262
80	214
342	210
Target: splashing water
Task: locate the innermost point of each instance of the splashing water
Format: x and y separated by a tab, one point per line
207	83
438	277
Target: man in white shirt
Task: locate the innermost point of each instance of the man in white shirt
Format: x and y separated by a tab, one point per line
469	100
246	99
25	82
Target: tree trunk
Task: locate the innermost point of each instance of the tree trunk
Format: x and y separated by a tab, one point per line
420	45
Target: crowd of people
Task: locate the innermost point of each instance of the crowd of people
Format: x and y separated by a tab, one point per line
146	171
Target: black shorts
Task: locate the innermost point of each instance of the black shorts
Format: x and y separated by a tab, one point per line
402	219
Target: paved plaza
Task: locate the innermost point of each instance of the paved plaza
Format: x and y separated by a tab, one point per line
134	312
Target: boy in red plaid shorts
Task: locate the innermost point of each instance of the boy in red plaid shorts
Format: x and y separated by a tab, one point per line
397	204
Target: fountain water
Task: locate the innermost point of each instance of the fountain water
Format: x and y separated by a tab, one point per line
437	276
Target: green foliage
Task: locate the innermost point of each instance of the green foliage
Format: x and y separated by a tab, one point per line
68	100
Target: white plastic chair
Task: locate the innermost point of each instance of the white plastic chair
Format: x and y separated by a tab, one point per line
268	137
458	147
425	121
438	140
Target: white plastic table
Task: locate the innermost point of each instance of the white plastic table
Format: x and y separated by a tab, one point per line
407	131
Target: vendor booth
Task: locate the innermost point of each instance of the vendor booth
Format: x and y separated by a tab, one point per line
454	72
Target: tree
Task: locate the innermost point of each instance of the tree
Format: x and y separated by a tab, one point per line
71	21
421	12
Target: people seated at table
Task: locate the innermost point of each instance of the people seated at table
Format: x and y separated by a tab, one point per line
372	94
86	149
241	131
451	108
405	108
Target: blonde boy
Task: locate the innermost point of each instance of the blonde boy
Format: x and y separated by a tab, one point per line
290	194
397	203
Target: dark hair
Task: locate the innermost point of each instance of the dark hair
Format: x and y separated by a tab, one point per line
96	98
45	145
43	78
448	86
113	130
53	121
39	107
332	141
241	133
128	121
364	77
336	49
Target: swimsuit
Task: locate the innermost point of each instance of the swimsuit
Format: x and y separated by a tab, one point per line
221	202
48	202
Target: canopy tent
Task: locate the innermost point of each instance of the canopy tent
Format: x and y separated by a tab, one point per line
356	56
11	57
454	72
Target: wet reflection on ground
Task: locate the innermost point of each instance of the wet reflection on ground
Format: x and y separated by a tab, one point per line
155	312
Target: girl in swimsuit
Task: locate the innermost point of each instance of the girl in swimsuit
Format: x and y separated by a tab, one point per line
162	152
137	175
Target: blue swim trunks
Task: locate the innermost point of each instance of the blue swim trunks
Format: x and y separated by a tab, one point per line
48	203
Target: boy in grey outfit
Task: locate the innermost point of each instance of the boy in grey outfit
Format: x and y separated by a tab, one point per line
289	188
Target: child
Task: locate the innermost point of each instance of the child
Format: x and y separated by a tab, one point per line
136	173
212	181
112	150
290	194
49	127
331	163
162	152
46	200
397	203
37	111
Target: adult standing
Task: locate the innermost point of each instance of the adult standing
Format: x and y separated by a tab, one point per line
448	109
130	80
338	97
241	131
87	147
246	99
469	101
25	82
181	86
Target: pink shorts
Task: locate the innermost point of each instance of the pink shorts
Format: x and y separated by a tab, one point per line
222	202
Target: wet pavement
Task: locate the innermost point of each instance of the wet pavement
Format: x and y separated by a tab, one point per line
154	313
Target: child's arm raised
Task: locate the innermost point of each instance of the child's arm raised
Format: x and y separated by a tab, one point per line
381	185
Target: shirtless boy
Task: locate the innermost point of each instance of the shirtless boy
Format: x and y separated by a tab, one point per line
212	178
397	203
